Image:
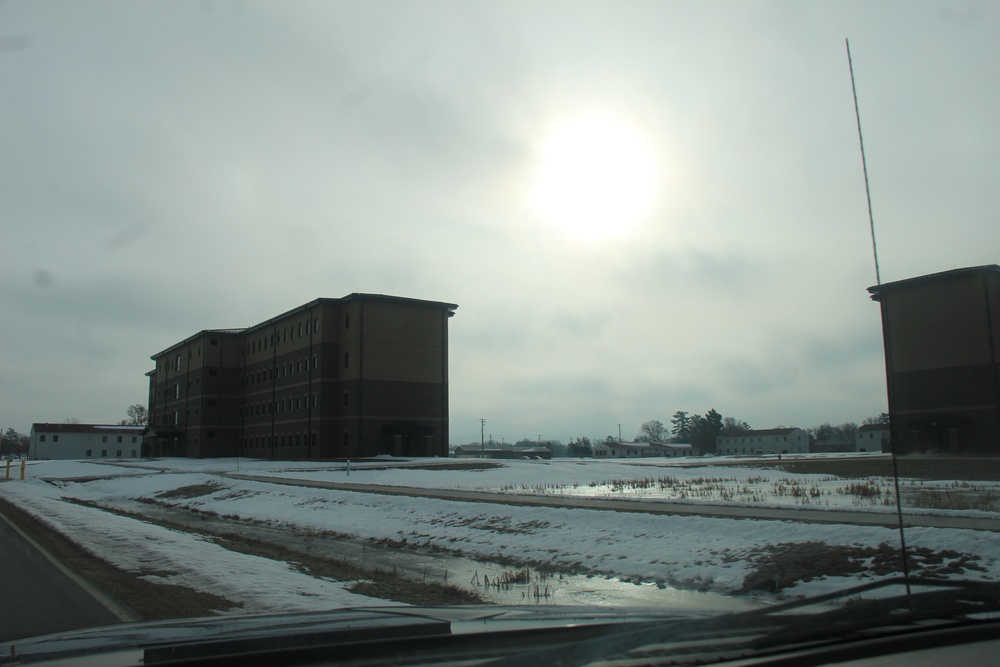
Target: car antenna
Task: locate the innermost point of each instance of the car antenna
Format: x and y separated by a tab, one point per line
885	333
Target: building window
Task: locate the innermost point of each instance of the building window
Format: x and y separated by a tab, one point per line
211	341
55	438
104	452
177	390
347	359
300	329
347	325
118	453
308	328
345	399
41	438
135	439
89	452
315	325
315	363
133	453
177	363
119	438
314	400
104	438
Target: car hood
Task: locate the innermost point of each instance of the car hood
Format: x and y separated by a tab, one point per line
199	638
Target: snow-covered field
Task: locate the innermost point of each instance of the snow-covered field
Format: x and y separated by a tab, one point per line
685	551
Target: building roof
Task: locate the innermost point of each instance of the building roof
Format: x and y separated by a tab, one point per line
45	427
356	296
941	276
873	427
201	334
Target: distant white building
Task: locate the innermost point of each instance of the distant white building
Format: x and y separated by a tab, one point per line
475	451
764	441
85	441
873	438
638	450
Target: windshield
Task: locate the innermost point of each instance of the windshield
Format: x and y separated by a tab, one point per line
319	305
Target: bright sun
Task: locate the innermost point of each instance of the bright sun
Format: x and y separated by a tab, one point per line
596	178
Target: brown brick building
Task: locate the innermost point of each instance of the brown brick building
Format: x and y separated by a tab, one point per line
334	378
942	340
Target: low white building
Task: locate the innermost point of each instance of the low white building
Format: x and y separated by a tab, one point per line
638	450
764	441
85	441
873	438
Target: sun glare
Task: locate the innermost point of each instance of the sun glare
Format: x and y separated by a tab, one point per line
596	178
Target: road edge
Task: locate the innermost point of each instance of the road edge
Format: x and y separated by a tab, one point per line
120	611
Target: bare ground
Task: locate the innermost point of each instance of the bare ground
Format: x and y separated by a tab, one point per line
782	565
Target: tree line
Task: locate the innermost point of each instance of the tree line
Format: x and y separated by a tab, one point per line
692	429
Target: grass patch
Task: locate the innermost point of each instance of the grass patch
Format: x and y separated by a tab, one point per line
190	491
779	566
915	467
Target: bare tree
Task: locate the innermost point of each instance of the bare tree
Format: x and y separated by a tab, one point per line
882	418
733	426
137	415
652	431
849	432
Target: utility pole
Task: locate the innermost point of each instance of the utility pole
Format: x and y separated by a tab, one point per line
482	435
619	433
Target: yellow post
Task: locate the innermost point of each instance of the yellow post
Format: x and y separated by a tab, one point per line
8	468
24	462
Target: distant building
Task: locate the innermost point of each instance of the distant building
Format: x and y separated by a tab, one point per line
674	449
85	441
638	450
941	335
764	441
834	442
492	451
873	438
353	377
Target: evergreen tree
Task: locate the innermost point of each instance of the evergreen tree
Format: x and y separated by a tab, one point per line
682	426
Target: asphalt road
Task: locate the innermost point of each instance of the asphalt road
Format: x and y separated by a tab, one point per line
38	595
800	514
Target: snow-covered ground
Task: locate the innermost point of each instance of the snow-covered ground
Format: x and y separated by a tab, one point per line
684	551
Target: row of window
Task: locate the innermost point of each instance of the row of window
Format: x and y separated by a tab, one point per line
278	440
752	450
283	440
104	453
283	405
280	371
104	438
287	334
731	441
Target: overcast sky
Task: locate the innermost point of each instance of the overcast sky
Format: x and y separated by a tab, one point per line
640	207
